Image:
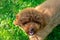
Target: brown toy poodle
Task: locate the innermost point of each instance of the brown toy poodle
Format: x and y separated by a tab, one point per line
31	20
38	22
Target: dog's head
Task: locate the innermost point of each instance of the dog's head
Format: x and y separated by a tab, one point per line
30	20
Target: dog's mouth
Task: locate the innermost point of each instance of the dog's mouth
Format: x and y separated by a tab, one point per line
31	33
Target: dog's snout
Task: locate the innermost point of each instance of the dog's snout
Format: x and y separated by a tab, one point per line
31	31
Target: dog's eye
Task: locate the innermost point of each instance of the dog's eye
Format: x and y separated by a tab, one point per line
37	22
25	23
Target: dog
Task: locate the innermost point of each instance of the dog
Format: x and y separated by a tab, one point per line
38	22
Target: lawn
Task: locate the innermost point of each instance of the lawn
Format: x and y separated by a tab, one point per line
8	11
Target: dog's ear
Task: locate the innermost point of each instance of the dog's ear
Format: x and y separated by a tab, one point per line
15	22
17	16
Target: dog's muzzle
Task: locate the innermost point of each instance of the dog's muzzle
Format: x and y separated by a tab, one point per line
31	31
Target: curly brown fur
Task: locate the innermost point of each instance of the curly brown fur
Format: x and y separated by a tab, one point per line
40	21
31	20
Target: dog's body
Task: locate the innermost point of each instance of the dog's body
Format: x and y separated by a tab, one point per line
40	20
51	10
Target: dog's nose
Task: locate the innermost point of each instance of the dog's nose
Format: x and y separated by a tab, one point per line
32	29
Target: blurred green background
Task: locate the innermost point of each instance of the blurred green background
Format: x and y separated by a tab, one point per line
8	10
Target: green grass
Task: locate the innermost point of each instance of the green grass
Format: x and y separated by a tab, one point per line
8	10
